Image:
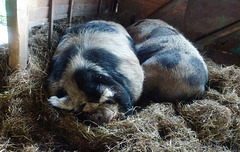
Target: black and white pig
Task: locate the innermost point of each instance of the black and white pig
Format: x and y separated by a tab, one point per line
95	70
174	69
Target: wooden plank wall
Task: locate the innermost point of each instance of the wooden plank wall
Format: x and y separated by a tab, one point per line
204	16
39	9
131	10
171	11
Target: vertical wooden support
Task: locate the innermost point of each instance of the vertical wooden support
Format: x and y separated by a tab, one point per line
17	21
99	6
50	32
70	12
113	5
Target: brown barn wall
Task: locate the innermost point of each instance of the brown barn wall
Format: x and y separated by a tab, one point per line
138	9
205	16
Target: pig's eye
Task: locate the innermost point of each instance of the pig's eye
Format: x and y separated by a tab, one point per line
109	101
80	108
93	101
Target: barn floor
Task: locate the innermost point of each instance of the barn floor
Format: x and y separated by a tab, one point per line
29	123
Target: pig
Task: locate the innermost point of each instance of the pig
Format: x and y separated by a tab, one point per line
95	70
174	69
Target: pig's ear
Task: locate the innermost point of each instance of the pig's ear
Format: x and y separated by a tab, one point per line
123	98
116	94
107	94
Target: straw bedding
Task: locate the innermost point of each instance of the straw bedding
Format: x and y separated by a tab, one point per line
29	123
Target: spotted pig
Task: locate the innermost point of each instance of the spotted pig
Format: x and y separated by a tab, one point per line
174	69
95	70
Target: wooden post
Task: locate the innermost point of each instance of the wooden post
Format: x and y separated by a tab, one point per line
114	4
162	11
99	7
70	12
17	22
50	19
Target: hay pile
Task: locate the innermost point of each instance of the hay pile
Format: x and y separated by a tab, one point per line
29	123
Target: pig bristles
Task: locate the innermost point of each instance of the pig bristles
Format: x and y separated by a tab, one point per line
29	123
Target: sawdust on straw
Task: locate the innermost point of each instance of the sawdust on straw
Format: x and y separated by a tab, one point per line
29	123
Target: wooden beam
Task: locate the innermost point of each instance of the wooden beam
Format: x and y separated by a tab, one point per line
17	21
213	36
166	8
70	10
50	32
